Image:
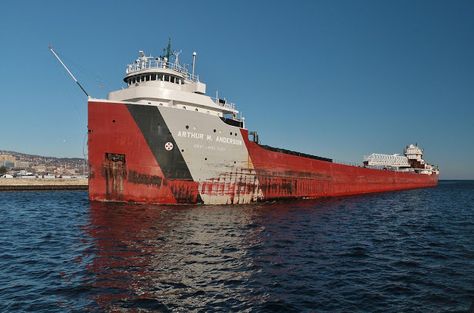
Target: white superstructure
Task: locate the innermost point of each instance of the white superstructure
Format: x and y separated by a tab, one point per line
413	152
164	81
411	161
390	160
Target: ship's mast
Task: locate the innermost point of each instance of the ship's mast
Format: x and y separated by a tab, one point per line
167	51
68	71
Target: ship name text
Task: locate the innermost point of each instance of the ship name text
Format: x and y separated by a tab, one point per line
201	136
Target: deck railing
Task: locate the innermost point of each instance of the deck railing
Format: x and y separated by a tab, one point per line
158	63
226	104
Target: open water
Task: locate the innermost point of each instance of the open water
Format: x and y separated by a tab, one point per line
410	251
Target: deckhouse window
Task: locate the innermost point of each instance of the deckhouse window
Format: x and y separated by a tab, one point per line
158	76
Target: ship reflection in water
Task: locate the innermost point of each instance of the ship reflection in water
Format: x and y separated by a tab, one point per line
160	258
374	252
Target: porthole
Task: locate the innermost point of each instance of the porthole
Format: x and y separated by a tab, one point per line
184	107
113	121
187	126
205	159
182	150
231	133
236	134
197	109
214	130
234	162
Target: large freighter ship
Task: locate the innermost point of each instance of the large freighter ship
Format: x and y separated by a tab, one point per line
162	140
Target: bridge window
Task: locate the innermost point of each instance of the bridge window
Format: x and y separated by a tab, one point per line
158	76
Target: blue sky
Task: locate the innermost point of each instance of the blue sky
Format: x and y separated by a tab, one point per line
339	79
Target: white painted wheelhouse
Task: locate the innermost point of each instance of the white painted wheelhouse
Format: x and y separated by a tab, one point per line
163	81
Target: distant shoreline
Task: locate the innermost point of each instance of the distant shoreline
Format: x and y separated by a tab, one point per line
13	184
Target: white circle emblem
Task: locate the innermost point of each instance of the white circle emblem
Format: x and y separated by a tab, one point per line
168	146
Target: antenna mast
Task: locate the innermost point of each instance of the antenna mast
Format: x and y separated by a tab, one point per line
68	71
167	51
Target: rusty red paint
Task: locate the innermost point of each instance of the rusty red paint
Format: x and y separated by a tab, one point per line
122	137
115	173
124	168
284	175
139	178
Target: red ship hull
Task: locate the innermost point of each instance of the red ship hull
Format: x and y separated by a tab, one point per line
130	162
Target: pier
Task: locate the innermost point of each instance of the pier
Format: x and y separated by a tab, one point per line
23	184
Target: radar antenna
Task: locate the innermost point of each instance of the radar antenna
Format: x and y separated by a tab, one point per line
167	51
68	71
176	56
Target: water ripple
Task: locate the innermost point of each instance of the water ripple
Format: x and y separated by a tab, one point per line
410	251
